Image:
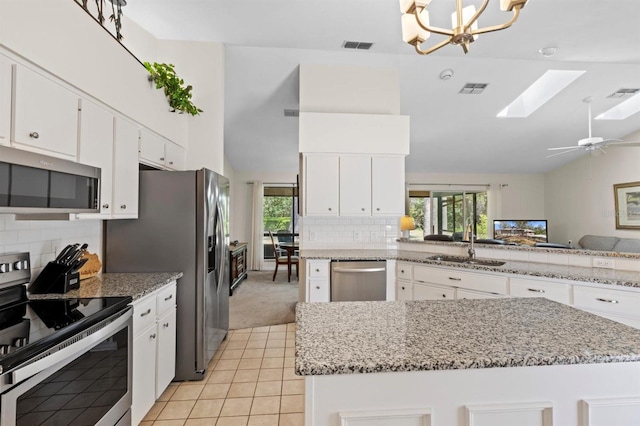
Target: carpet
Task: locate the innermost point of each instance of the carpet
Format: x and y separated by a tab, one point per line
258	301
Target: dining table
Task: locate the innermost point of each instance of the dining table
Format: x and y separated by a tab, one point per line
290	247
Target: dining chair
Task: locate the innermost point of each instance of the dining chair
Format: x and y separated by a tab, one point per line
282	259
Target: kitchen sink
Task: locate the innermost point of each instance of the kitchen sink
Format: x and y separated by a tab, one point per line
463	259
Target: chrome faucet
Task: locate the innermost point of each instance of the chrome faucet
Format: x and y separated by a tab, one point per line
471	251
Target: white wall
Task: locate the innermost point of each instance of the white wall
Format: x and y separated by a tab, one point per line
579	196
201	64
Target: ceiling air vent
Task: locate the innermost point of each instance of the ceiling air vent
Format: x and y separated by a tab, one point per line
623	93
473	88
361	45
291	113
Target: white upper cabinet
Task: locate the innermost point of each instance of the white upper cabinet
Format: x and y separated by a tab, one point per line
160	152
96	149
321	185
45	115
387	185
5	100
355	185
125	182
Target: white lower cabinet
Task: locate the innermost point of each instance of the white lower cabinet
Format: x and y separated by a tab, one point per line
154	348
462	293
423	291
529	287
318	281
404	290
617	305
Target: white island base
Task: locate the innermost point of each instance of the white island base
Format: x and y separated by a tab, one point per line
560	395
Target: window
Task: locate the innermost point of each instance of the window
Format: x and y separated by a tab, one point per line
280	215
447	213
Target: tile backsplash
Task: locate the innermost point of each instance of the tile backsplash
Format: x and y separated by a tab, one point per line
349	232
44	239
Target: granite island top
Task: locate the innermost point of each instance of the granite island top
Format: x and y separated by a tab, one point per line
375	337
548	270
134	284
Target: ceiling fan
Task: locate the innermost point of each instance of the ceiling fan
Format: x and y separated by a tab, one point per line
591	143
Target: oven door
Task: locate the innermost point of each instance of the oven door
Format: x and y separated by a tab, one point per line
86	382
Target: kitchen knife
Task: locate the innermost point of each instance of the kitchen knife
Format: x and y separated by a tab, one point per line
77	254
78	264
70	254
63	253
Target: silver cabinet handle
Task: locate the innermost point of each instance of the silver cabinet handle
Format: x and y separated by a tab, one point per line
402	287
161	158
144	314
317	270
123	206
536	290
170	162
606	300
105	206
165	325
169	297
34	135
377	208
362	209
153	336
402	271
358	270
329	208
455	279
317	287
444	295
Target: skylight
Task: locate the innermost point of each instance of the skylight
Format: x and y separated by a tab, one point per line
622	110
540	92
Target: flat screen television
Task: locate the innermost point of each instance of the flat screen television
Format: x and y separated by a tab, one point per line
522	232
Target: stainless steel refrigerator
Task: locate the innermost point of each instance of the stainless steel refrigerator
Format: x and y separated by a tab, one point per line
182	226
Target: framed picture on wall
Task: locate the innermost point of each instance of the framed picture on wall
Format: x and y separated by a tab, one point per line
627	199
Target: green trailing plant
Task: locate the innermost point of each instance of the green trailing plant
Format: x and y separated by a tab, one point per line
178	95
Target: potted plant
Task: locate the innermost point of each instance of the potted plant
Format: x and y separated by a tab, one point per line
178	95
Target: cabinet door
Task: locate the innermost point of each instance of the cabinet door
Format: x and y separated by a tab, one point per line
526	287
319	290
355	185
321	185
151	148
125	182
96	149
387	185
45	114
175	156
432	292
166	352
144	373
5	100
403	290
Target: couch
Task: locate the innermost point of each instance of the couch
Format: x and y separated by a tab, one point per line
600	243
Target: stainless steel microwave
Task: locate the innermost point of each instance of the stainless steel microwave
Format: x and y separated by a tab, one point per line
39	184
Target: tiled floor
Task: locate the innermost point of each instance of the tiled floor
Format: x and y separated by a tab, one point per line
250	382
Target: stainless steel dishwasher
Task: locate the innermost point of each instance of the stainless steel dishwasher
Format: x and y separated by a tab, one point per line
358	280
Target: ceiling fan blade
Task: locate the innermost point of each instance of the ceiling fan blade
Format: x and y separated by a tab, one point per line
564	152
622	143
563	147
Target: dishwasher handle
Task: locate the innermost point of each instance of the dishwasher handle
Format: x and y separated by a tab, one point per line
358	270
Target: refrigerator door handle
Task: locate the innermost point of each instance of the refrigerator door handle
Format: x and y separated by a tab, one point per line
221	254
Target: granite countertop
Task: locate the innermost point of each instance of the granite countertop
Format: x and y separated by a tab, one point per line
547	270
374	337
133	284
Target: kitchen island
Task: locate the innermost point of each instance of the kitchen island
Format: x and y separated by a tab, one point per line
466	362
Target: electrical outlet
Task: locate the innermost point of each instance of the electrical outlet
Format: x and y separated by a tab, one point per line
357	236
603	262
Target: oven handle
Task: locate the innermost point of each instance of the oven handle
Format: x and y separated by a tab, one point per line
82	345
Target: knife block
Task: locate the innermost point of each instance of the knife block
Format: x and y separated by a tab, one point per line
55	278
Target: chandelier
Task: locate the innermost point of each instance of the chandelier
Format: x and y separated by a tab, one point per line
416	28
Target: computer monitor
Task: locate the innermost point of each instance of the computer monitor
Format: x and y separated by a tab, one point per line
523	232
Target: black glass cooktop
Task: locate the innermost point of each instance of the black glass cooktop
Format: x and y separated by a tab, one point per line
30	327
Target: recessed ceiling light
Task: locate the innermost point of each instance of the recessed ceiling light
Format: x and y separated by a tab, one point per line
360	45
548	52
623	93
540	92
622	110
473	88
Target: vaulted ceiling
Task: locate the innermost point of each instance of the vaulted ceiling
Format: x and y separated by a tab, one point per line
266	40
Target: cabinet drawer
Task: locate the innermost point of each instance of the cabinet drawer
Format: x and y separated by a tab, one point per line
166	299
404	271
144	314
462	293
614	301
433	292
473	281
319	290
318	269
403	290
522	287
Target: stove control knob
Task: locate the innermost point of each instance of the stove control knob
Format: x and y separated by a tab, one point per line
19	342
20	265
5	267
4	349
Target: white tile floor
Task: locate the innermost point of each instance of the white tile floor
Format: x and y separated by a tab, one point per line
250	382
